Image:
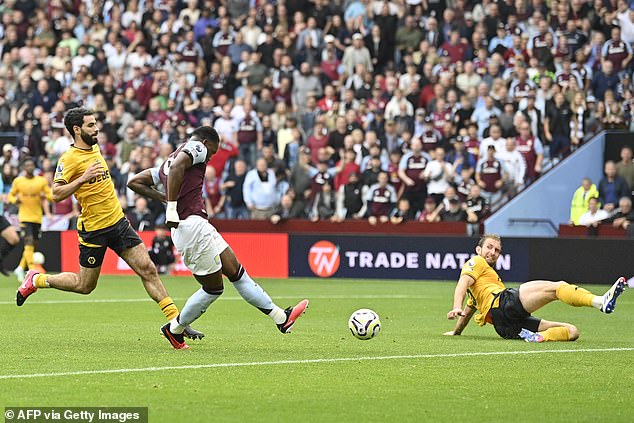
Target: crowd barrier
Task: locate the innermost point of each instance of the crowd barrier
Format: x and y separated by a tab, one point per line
377	255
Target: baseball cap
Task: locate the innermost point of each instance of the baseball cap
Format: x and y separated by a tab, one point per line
7	147
468	16
591	99
357	36
329	38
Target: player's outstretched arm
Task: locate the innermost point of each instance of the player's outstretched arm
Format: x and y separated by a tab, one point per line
459	295
63	191
143	184
462	322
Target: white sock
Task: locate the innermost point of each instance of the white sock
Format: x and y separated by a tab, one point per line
195	306
597	302
257	297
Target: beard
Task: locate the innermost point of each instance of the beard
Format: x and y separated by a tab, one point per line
88	139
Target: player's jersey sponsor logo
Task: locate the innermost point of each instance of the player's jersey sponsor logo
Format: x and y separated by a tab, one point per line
324	259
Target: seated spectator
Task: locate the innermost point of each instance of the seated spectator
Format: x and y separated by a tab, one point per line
162	250
140	216
455	212
623	216
402	213
430	212
324	204
381	198
595	215
288	209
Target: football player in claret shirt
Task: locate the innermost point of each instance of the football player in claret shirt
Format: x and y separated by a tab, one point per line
510	310
83	172
203	249
28	191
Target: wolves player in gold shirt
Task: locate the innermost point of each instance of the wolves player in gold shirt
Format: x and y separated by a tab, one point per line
509	309
27	192
82	171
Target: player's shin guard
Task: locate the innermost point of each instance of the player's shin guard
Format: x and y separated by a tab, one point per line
256	296
195	306
556	334
574	296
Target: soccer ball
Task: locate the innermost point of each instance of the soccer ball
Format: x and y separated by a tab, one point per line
364	324
38	258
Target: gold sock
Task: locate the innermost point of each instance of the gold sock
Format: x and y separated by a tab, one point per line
27	256
41	281
556	334
574	296
168	308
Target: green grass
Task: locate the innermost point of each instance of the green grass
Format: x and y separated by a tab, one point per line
67	337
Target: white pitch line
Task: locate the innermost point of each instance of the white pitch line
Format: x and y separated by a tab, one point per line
223	298
308	361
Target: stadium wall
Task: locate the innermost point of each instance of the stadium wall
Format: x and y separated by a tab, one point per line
538	210
382	256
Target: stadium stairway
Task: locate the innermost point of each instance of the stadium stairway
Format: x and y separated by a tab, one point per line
538	210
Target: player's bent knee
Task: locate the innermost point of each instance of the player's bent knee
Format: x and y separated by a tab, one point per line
573	333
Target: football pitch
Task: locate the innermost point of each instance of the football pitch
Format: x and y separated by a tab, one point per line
64	350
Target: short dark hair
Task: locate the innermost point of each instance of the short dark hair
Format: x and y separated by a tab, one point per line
207	133
75	116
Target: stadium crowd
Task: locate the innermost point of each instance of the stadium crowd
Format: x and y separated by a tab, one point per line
429	110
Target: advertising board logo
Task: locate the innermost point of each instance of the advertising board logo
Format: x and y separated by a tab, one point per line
324	259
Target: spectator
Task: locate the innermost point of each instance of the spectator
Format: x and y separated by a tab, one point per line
612	187
248	135
454	213
260	194
351	202
581	198
490	176
288	209
595	215
162	250
140	217
623	216
324	204
402	213
625	168
515	166
438	174
381	198
476	207
233	197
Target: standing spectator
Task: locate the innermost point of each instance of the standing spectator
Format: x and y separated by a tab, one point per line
625	168
351	202
438	174
532	150
381	198
581	198
616	51
356	54
324	204
410	171
305	84
260	194
557	127
140	216
490	176
612	187
514	165
477	208
604	80
248	135
235	207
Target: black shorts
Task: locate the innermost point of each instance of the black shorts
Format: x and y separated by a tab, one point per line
93	245
509	318
4	223
31	229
